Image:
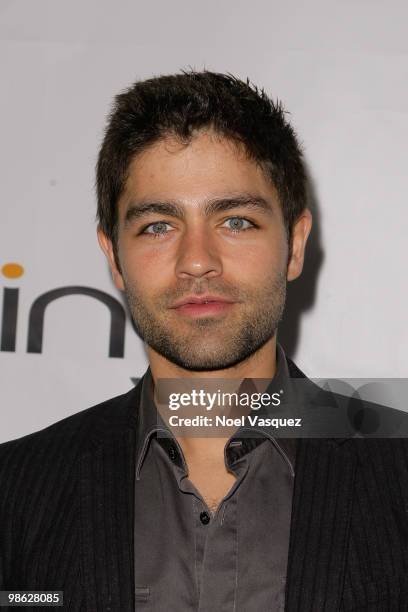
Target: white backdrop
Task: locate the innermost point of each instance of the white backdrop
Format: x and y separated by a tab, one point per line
341	68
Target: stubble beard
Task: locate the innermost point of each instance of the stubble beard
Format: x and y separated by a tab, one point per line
210	343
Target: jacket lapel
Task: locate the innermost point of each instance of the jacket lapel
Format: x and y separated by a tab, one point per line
107	471
321	512
107	510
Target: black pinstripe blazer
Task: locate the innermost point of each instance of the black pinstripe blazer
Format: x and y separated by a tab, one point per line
66	516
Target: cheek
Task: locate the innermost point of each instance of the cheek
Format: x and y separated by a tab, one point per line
258	262
148	271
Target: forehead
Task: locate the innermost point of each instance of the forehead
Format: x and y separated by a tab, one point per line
208	166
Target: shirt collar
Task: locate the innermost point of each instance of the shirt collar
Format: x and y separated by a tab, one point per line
150	421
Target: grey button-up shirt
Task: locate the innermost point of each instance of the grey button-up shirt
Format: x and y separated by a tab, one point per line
188	559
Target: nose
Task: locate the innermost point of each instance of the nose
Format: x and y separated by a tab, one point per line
198	255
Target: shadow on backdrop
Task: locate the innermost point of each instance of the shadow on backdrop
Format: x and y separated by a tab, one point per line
301	293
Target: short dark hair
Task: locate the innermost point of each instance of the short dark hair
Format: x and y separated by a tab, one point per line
179	104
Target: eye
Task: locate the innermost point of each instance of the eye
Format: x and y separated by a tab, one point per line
237	224
156	229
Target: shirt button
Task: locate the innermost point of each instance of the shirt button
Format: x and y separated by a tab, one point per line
204	518
172	453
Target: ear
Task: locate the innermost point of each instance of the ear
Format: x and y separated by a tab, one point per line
106	245
300	233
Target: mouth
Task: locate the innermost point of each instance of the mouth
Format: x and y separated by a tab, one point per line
206	308
194	306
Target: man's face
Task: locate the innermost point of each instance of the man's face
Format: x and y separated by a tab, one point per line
201	222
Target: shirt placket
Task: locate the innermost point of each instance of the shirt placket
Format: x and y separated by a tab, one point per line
218	572
216	542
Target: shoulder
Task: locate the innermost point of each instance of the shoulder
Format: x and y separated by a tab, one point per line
75	432
45	465
359	412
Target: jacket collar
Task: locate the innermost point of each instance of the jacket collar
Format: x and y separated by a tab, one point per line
123	413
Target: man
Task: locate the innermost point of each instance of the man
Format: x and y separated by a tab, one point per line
203	219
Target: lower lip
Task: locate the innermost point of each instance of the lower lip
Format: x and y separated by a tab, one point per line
211	308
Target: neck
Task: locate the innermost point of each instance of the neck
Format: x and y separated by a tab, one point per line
260	365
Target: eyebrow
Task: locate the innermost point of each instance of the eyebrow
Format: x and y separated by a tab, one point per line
173	209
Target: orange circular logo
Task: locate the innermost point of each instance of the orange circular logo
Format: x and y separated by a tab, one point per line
12	270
